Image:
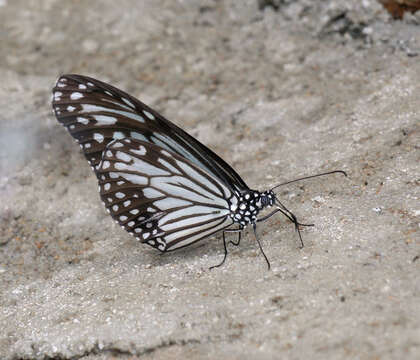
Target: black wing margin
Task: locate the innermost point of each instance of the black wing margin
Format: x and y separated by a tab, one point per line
96	113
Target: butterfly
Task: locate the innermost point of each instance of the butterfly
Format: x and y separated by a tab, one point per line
159	183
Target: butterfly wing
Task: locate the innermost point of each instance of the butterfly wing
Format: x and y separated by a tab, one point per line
96	113
160	197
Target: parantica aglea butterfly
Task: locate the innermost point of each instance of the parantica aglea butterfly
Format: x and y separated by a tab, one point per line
159	183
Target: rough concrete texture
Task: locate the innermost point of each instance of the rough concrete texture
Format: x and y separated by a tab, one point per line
310	87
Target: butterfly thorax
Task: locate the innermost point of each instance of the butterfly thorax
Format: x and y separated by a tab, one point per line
245	206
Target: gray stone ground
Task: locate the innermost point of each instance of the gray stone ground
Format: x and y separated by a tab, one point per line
311	87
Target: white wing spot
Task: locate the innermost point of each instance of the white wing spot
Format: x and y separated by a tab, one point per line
82	86
150	209
146	235
113	175
151	193
104	120
169	166
145	167
135	179
72	127
119	183
128	102
164	152
123	156
90	84
120	195
149	225
87	146
105	165
137	230
134	211
118	135
117	145
70	108
127	203
123	217
131	223
115	208
109	199
61	85
76	96
170	203
57	95
98	137
138	136
108	153
107	186
82	120
141	151
149	115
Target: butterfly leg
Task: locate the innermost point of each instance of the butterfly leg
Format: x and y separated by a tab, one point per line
254	226
231	242
239	239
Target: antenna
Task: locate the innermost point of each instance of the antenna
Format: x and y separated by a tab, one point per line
309	177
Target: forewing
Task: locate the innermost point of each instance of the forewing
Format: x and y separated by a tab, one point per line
96	113
160	197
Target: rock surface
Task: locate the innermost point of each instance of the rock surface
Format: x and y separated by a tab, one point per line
279	90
